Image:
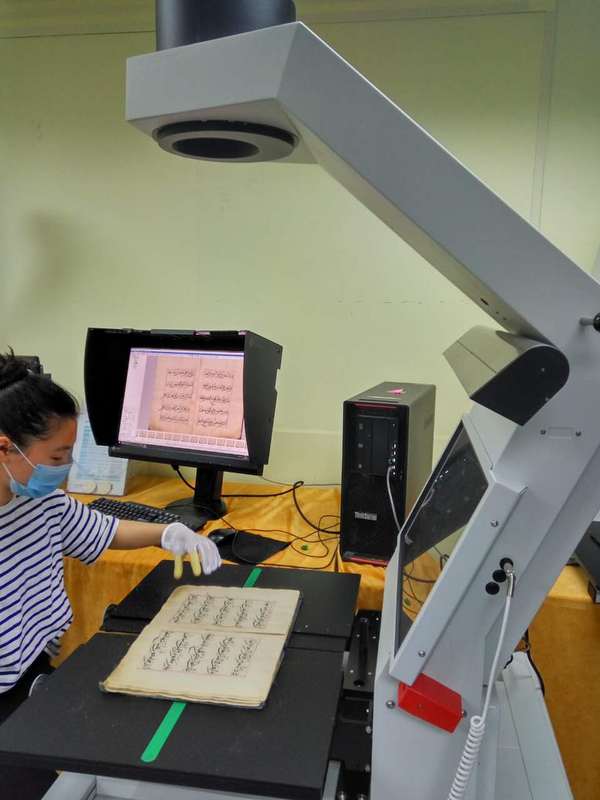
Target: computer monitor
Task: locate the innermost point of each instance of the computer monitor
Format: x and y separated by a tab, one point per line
436	523
187	398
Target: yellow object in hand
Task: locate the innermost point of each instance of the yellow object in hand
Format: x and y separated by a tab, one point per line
178	568
195	562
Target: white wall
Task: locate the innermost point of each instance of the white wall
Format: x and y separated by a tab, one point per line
98	227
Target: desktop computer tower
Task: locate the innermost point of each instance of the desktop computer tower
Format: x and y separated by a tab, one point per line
388	427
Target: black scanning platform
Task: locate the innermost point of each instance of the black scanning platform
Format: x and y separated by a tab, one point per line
325	617
279	751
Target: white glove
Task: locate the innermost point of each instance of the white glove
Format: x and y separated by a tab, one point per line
180	540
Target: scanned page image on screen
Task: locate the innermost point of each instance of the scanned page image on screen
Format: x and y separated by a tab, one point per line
210	644
198	396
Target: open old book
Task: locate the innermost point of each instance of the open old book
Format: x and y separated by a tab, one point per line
210	644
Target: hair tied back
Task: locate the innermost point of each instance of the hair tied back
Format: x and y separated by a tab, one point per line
12	370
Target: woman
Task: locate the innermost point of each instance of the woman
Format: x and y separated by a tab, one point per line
39	524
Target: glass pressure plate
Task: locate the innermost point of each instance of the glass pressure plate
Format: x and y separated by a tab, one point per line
435	525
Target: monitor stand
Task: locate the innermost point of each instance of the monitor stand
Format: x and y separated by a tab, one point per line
206	504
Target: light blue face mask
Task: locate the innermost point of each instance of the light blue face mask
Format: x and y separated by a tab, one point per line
43	480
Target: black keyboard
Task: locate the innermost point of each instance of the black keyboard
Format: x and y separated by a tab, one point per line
122	509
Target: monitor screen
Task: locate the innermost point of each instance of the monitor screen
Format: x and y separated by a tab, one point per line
188	399
435	525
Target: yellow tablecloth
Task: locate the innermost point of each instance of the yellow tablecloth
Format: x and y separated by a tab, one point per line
565	634
565	640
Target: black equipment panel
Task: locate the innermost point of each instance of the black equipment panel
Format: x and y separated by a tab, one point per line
281	750
148	597
588	555
327	609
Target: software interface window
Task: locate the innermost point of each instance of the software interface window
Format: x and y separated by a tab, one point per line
185	398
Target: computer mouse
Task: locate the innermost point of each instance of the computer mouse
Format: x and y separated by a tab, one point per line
221	535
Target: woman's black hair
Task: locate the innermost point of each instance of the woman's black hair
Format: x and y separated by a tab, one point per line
30	403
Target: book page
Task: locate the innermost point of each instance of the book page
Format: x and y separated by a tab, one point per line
270	611
209	667
210	644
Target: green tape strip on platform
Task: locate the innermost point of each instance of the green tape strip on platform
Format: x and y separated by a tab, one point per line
162	733
253	577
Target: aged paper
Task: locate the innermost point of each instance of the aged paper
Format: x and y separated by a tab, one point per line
210	644
233	608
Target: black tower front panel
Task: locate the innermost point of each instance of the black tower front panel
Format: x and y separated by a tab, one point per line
387	429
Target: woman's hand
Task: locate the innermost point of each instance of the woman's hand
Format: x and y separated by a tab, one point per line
181	540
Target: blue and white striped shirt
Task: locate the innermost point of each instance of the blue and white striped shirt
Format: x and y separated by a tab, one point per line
34	608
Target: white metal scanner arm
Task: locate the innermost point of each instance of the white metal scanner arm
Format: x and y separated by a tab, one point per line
281	92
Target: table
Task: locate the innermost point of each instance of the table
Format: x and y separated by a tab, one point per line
565	635
565	638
